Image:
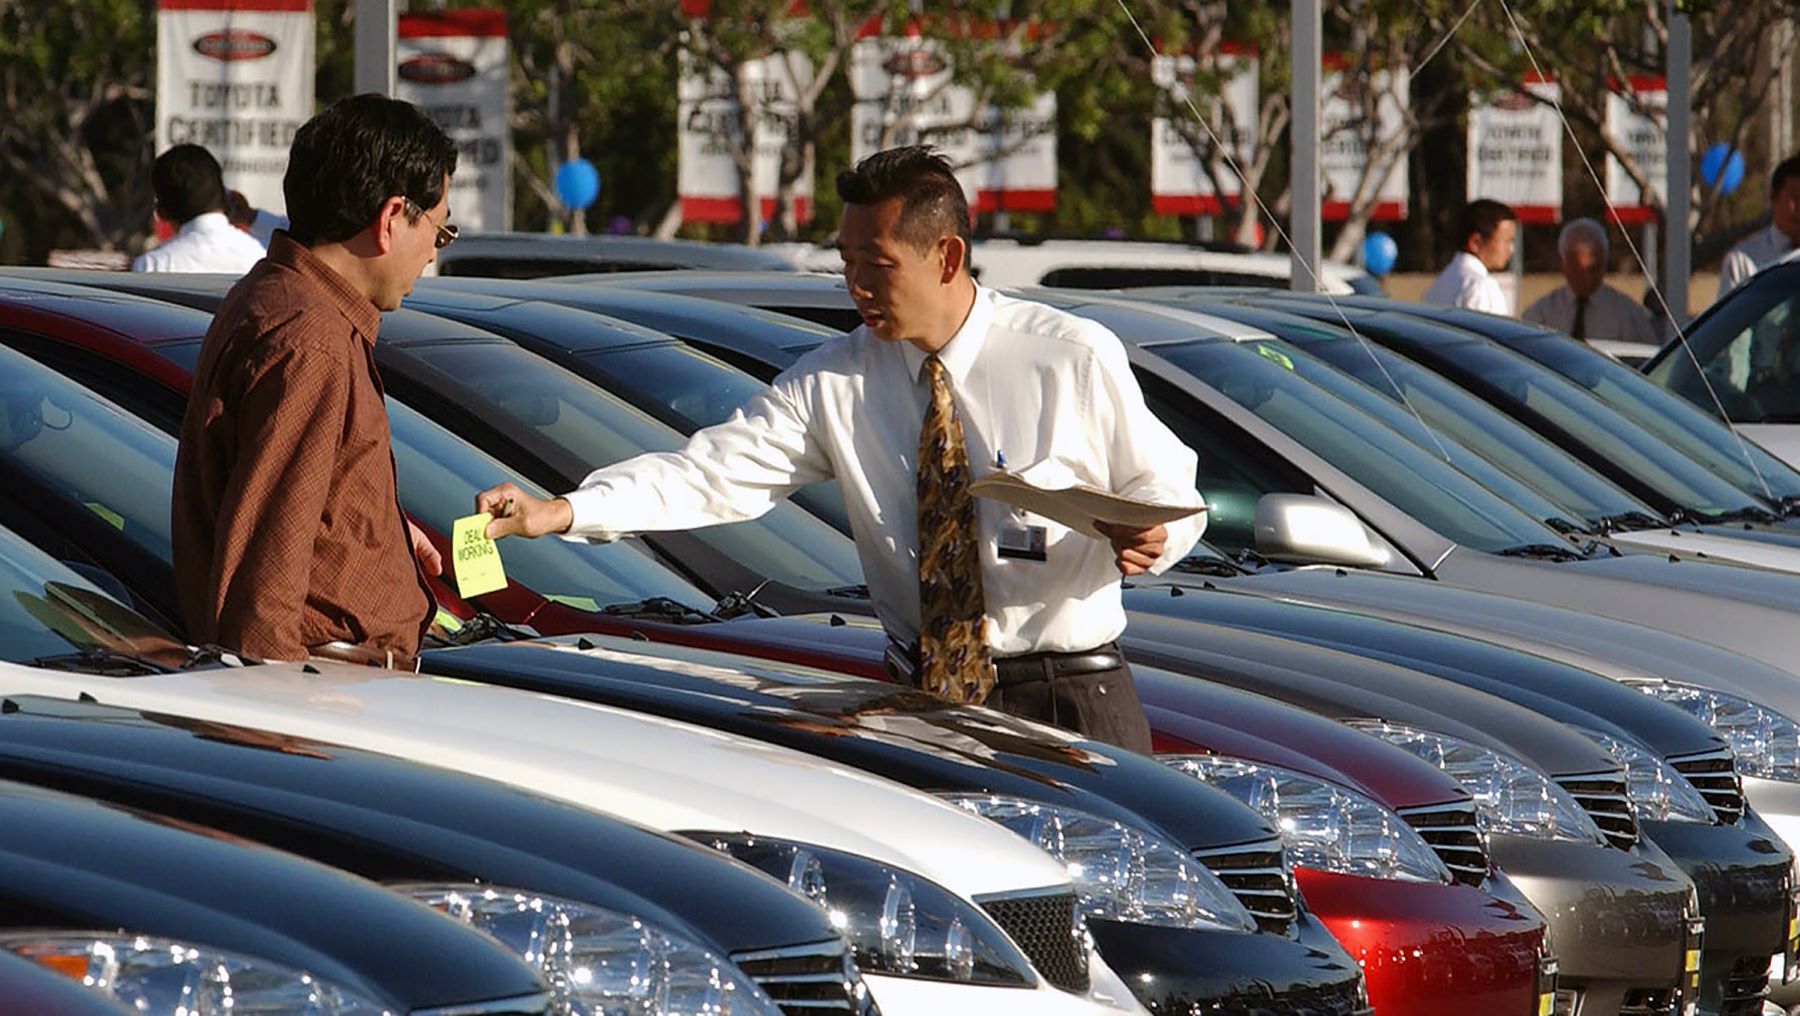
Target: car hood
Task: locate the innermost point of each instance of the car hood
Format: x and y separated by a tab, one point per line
670	776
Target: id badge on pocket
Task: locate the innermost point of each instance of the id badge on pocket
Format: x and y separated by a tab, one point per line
1023	542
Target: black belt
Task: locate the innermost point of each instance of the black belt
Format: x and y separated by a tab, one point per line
903	664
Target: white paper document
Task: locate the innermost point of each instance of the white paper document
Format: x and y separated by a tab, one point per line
1078	506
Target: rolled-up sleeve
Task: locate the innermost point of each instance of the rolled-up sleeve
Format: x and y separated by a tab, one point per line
1147	461
293	406
729	472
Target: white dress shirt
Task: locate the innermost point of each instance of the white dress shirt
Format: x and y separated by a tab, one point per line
1762	249
1465	282
208	242
1049	394
1610	315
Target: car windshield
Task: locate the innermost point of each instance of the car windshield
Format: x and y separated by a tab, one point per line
1699	435
1396	469
440	475
86	449
1493	435
1748	349
1592	422
1390	412
595	426
48	610
696	389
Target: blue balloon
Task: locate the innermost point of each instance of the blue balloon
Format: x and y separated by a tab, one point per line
1379	253
1733	174
1712	161
577	183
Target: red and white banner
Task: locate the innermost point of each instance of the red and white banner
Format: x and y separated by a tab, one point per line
236	77
1179	182
1642	137
1345	138
453	64
905	94
1515	150
709	130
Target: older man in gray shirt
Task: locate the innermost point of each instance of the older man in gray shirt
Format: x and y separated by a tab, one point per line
1585	307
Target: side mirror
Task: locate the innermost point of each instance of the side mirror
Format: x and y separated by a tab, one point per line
1303	529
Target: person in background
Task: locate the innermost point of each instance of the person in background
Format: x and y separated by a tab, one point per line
258	222
943	384
288	536
190	193
1767	246
1487	234
1585	307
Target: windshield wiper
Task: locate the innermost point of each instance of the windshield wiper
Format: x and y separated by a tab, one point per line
1205	564
105	662
1545	551
849	592
1748	513
1621	522
660	608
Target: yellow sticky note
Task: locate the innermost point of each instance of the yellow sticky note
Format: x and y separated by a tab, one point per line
474	557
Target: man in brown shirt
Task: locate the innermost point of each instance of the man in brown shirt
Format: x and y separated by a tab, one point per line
288	534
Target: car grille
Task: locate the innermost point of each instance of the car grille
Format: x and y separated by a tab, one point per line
805	980
1043	928
1746	988
1649	1002
1257	874
1452	832
1714	774
1346	999
1603	796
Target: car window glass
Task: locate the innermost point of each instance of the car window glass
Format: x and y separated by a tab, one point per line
1748	348
46	609
1425	487
691	386
440	475
786	545
86	449
1697	434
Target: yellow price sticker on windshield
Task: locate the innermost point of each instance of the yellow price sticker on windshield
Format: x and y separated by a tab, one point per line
474	557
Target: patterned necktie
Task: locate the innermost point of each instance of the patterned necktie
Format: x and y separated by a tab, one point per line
953	649
1579	328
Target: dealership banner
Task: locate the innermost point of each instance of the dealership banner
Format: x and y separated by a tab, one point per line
1643	138
1515	149
905	94
709	130
236	77
454	65
1344	143
1179	182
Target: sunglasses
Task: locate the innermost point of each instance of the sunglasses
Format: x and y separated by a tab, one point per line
446	234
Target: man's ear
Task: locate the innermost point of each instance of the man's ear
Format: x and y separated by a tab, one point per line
390	218
956	251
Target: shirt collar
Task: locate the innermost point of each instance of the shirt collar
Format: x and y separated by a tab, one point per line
205	222
1469	264
960	353
356	308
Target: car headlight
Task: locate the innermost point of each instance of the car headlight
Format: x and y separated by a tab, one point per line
1766	743
1121	873
1511	796
1324	826
600	962
165	977
1658	793
895	921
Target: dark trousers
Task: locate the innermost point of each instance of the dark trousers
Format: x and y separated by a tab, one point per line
1101	704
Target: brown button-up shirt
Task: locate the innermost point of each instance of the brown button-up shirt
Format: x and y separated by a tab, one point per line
287	526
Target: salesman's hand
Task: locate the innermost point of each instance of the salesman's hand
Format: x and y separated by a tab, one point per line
429	558
517	513
1135	550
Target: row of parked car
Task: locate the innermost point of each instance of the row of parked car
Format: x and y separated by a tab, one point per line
1480	695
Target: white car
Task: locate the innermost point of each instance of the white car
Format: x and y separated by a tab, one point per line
836	823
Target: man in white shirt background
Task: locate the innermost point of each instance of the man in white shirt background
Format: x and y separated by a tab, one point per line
1487	233
1767	246
1585	307
944	383
190	193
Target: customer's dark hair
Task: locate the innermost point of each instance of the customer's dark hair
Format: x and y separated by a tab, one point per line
355	155
1789	167
934	202
187	182
1483	216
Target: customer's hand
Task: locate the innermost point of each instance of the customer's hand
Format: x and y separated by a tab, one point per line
517	513
429	558
1134	550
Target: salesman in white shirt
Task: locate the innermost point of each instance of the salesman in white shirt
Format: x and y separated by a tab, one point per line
1488	229
1767	246
944	383
190	192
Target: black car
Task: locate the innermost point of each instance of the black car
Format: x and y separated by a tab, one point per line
83	883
